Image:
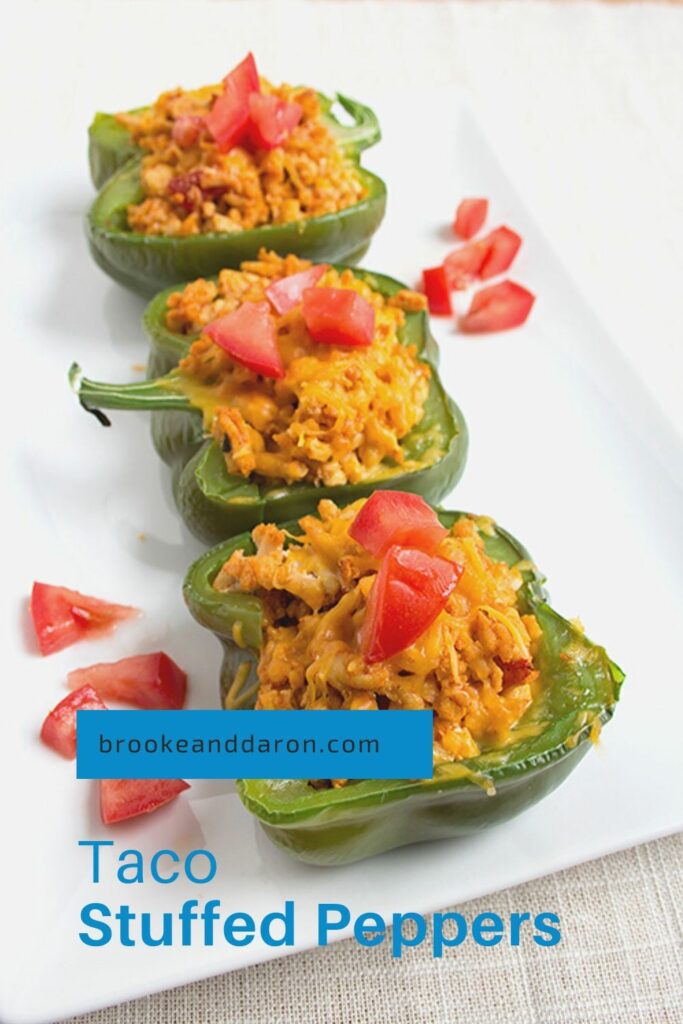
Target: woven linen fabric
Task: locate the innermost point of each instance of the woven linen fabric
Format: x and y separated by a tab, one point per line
620	961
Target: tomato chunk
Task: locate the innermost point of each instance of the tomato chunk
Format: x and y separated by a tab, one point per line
228	119
515	672
497	308
59	728
181	184
409	591
182	189
287	293
127	798
470	216
62	617
436	287
186	130
244	76
397	517
338	316
150	681
503	246
463	265
271	120
248	336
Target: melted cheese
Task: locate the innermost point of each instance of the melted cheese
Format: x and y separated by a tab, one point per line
338	415
315	595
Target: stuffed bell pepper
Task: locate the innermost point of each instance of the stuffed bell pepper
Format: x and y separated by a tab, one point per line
202	179
291	382
388	605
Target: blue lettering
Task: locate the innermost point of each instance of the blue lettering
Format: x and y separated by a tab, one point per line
211	870
550	936
236	924
187	916
166	938
88	918
441	940
136	867
286	918
399	940
485	934
154	866
516	922
96	843
124	916
209	915
369	929
325	925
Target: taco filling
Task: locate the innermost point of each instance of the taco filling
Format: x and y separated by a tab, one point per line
300	371
378	606
235	156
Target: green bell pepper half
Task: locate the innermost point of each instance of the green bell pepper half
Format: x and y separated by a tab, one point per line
334	826
147	263
216	504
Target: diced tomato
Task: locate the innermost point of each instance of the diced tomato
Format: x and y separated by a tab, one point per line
180	188
150	681
497	308
182	185
184	182
186	130
287	293
409	591
59	728
244	76
228	119
503	246
62	617
437	289
484	258
470	216
248	336
463	265
338	316
271	120
126	798
515	672
397	517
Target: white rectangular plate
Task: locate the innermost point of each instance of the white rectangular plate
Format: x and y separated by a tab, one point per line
566	452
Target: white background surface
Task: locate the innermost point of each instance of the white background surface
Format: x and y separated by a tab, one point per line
586	115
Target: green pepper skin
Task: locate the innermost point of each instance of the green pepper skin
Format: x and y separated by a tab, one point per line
366	818
109	147
215	504
148	263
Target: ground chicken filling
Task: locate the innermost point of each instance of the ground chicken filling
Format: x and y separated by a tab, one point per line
473	667
337	416
196	189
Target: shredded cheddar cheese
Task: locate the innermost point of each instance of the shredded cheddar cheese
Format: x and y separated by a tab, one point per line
473	667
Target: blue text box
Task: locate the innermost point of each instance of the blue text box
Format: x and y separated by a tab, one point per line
254	744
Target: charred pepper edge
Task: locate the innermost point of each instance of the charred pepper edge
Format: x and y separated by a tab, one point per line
222	612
